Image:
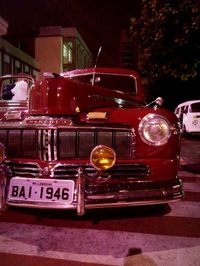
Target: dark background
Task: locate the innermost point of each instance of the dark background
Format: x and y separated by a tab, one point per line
98	22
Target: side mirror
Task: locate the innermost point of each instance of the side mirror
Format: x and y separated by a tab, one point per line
158	101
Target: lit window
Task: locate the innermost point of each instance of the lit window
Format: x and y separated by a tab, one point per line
67	53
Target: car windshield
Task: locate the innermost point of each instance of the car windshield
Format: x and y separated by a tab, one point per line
195	107
121	83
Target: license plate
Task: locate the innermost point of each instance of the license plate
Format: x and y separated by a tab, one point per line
41	190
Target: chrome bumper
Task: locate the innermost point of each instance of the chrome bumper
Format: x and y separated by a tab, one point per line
106	195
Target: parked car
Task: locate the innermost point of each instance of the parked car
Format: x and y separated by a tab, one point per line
87	139
189	115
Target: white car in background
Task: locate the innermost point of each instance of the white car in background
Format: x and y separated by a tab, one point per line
189	116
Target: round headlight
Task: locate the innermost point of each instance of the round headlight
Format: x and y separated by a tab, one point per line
2	153
154	129
102	157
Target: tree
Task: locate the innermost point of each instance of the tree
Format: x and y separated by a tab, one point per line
168	34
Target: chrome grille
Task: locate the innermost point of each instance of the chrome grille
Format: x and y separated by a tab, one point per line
20	143
78	143
64	171
23	169
67	143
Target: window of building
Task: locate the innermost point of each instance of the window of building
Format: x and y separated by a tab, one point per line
26	69
17	66
7	65
67	53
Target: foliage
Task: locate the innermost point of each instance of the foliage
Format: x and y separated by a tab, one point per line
168	34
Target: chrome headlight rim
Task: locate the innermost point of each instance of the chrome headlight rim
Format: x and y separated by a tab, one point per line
162	122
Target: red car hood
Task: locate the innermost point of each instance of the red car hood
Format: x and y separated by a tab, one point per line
61	96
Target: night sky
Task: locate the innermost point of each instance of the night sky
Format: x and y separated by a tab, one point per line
98	22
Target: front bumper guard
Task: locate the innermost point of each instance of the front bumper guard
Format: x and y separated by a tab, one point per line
105	195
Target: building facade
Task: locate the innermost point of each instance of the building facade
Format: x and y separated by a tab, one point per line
13	59
52	49
60	49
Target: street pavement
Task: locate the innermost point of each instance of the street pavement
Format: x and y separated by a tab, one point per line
129	236
190	154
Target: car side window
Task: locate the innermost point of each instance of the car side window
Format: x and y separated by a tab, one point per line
7	91
14	90
182	109
177	111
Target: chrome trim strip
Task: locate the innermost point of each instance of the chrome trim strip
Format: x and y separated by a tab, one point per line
55	147
44	155
73	206
48	145
39	143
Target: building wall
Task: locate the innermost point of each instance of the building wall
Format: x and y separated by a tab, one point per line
13	59
48	53
82	57
60	49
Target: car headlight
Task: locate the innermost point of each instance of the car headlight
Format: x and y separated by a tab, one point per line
154	129
102	157
2	153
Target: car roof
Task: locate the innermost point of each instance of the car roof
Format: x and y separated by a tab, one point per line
188	103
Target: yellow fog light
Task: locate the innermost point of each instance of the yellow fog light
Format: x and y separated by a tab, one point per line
102	157
2	153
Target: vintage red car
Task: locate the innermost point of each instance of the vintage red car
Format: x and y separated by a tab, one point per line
86	139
